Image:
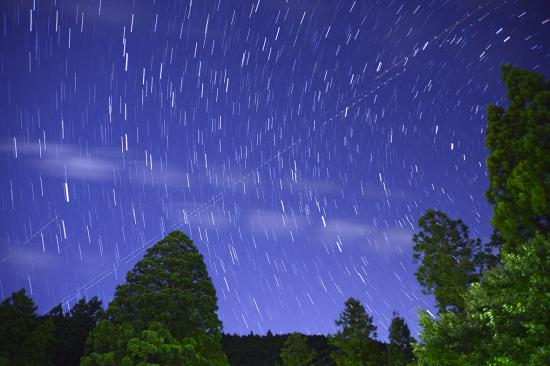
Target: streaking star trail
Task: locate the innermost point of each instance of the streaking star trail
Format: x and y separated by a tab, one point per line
296	142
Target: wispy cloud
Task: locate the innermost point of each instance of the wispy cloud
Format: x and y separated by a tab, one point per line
348	228
202	214
65	160
89	169
272	220
344	232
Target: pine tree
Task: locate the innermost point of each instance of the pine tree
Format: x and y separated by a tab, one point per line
17	319
399	349
506	317
25	338
72	329
519	158
353	342
449	259
35	348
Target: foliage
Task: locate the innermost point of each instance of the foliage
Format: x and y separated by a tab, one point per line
353	341
399	349
253	349
449	260
72	329
444	340
24	337
296	351
120	345
169	286
507	317
513	305
519	158
34	349
17	319
53	339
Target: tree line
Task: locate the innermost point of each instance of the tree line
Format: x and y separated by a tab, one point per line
165	314
493	298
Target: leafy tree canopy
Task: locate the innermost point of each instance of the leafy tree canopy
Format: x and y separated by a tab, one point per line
449	260
506	317
506	321
519	158
120	345
169	286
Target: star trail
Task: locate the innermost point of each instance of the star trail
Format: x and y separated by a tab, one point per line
296	142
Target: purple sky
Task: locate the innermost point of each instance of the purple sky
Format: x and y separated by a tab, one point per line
296	142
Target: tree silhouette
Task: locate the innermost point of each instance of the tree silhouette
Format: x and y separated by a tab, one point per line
353	341
399	349
72	329
24	337
296	352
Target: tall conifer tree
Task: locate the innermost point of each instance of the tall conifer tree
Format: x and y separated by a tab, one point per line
519	158
354	342
169	289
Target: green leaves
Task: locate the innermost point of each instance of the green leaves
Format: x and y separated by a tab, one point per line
519	158
169	301
506	319
449	260
152	346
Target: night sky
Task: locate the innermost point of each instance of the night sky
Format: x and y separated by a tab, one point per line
296	142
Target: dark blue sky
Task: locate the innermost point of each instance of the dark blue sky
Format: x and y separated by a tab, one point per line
296	142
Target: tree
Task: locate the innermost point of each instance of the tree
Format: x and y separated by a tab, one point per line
72	329
82	318
119	345
17	319
507	317
399	349
24	337
489	256
449	259
512	305
296	352
353	342
446	341
169	286
253	350
35	348
519	158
